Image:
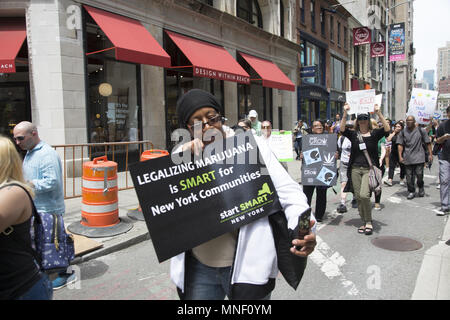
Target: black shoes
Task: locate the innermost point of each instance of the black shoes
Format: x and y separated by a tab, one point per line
410	196
341	208
421	193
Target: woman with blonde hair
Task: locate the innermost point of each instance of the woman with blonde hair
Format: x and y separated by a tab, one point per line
20	275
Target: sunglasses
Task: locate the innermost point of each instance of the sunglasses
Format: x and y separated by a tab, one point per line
210	122
19	138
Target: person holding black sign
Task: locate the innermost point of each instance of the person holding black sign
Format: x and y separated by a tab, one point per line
321	191
242	264
358	172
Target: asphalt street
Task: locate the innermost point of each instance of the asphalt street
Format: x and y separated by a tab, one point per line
345	265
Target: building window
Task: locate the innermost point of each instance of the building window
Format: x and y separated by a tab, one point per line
302	11
313	15
331	28
113	91
356	61
315	56
281	18
249	11
345	38
339	33
337	74
322	22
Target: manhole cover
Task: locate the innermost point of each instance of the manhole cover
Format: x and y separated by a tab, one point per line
396	243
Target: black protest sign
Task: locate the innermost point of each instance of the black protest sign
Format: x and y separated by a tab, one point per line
319	162
188	203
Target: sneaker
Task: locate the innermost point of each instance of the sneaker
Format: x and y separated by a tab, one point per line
402	183
421	193
410	196
388	182
354	203
377	206
63	280
438	186
341	208
443	212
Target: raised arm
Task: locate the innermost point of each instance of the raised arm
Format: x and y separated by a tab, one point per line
382	119
344	117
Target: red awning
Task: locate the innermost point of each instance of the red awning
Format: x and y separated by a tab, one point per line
270	74
209	60
132	42
12	36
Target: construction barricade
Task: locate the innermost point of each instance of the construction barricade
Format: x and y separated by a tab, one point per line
100	203
146	155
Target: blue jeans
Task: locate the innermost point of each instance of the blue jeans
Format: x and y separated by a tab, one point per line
205	283
42	290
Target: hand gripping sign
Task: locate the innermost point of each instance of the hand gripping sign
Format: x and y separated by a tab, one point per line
361	101
186	204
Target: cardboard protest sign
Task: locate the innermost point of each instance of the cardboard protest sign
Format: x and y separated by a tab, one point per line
319	162
361	101
281	145
186	203
422	105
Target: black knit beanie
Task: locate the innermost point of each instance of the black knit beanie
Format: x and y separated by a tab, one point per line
193	100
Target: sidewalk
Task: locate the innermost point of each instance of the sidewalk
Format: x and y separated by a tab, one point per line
433	280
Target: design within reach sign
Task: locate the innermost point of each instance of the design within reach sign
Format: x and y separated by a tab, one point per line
189	203
207	73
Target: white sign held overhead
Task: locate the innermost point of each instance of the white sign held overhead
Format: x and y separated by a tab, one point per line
422	105
361	101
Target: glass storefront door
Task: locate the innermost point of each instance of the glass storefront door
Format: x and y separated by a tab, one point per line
14	106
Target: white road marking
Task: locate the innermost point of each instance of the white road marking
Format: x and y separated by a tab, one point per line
330	262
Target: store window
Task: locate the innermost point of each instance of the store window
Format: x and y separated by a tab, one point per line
255	97
15	103
114	100
178	81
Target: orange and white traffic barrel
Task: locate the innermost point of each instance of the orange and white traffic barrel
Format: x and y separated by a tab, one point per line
146	155
100	205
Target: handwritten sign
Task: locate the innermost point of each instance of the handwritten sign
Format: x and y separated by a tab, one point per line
422	105
186	204
361	101
281	145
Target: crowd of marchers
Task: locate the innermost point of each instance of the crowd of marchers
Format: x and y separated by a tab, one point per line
242	264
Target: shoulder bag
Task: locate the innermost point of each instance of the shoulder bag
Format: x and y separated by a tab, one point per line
375	174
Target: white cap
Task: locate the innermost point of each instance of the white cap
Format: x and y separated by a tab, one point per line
252	114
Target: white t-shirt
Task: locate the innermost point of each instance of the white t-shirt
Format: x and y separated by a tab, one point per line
346	149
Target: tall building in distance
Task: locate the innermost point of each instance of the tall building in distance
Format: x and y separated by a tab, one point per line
428	79
443	63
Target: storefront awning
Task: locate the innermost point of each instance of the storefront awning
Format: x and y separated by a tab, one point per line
270	74
209	60
12	36
132	42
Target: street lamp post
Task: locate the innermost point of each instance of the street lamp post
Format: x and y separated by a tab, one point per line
386	57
